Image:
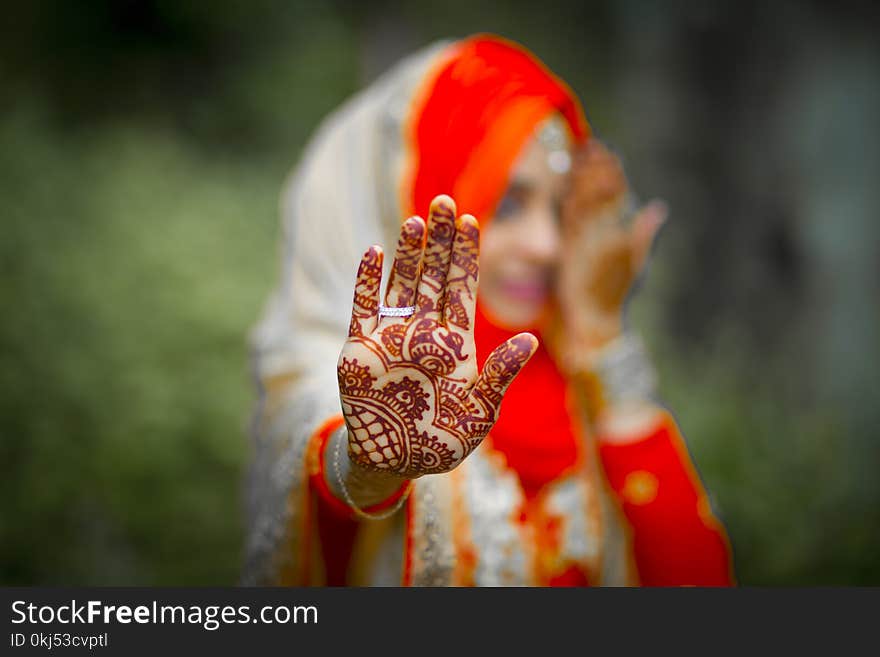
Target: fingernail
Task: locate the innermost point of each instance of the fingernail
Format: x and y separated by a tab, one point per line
661	210
469	219
443	202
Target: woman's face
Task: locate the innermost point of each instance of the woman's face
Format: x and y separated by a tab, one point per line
519	247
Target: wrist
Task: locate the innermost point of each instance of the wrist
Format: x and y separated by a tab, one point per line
354	470
628	422
616	376
365	492
588	336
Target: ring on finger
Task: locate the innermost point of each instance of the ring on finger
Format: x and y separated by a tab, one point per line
387	311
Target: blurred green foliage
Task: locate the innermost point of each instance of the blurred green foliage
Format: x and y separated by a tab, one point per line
133	270
142	149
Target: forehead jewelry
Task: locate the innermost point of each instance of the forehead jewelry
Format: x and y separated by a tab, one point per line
405	311
554	136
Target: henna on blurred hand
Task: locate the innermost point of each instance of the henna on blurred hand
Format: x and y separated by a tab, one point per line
597	181
602	256
411	397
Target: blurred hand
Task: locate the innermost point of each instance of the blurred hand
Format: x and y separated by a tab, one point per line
602	257
411	397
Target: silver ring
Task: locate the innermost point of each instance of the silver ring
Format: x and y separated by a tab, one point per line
406	311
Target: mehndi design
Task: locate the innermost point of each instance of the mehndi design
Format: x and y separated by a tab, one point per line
411	396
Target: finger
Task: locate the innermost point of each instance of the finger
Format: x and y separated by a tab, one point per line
435	264
500	369
598	183
644	231
464	271
404	275
365	309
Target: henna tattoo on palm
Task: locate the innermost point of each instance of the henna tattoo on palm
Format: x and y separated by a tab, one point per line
411	396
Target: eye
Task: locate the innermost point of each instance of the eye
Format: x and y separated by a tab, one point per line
511	205
508	207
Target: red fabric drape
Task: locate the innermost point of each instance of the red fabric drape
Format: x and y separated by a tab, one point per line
472	118
534	431
676	539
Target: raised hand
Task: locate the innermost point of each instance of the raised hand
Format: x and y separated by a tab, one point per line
602	256
411	396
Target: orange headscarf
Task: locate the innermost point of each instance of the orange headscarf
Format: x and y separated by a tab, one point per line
473	118
470	123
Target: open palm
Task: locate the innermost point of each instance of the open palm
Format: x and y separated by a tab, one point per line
411	396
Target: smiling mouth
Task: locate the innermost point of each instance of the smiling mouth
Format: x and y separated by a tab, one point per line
525	291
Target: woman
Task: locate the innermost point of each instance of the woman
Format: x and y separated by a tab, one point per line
399	466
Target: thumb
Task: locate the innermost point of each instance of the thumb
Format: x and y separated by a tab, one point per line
502	366
644	231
